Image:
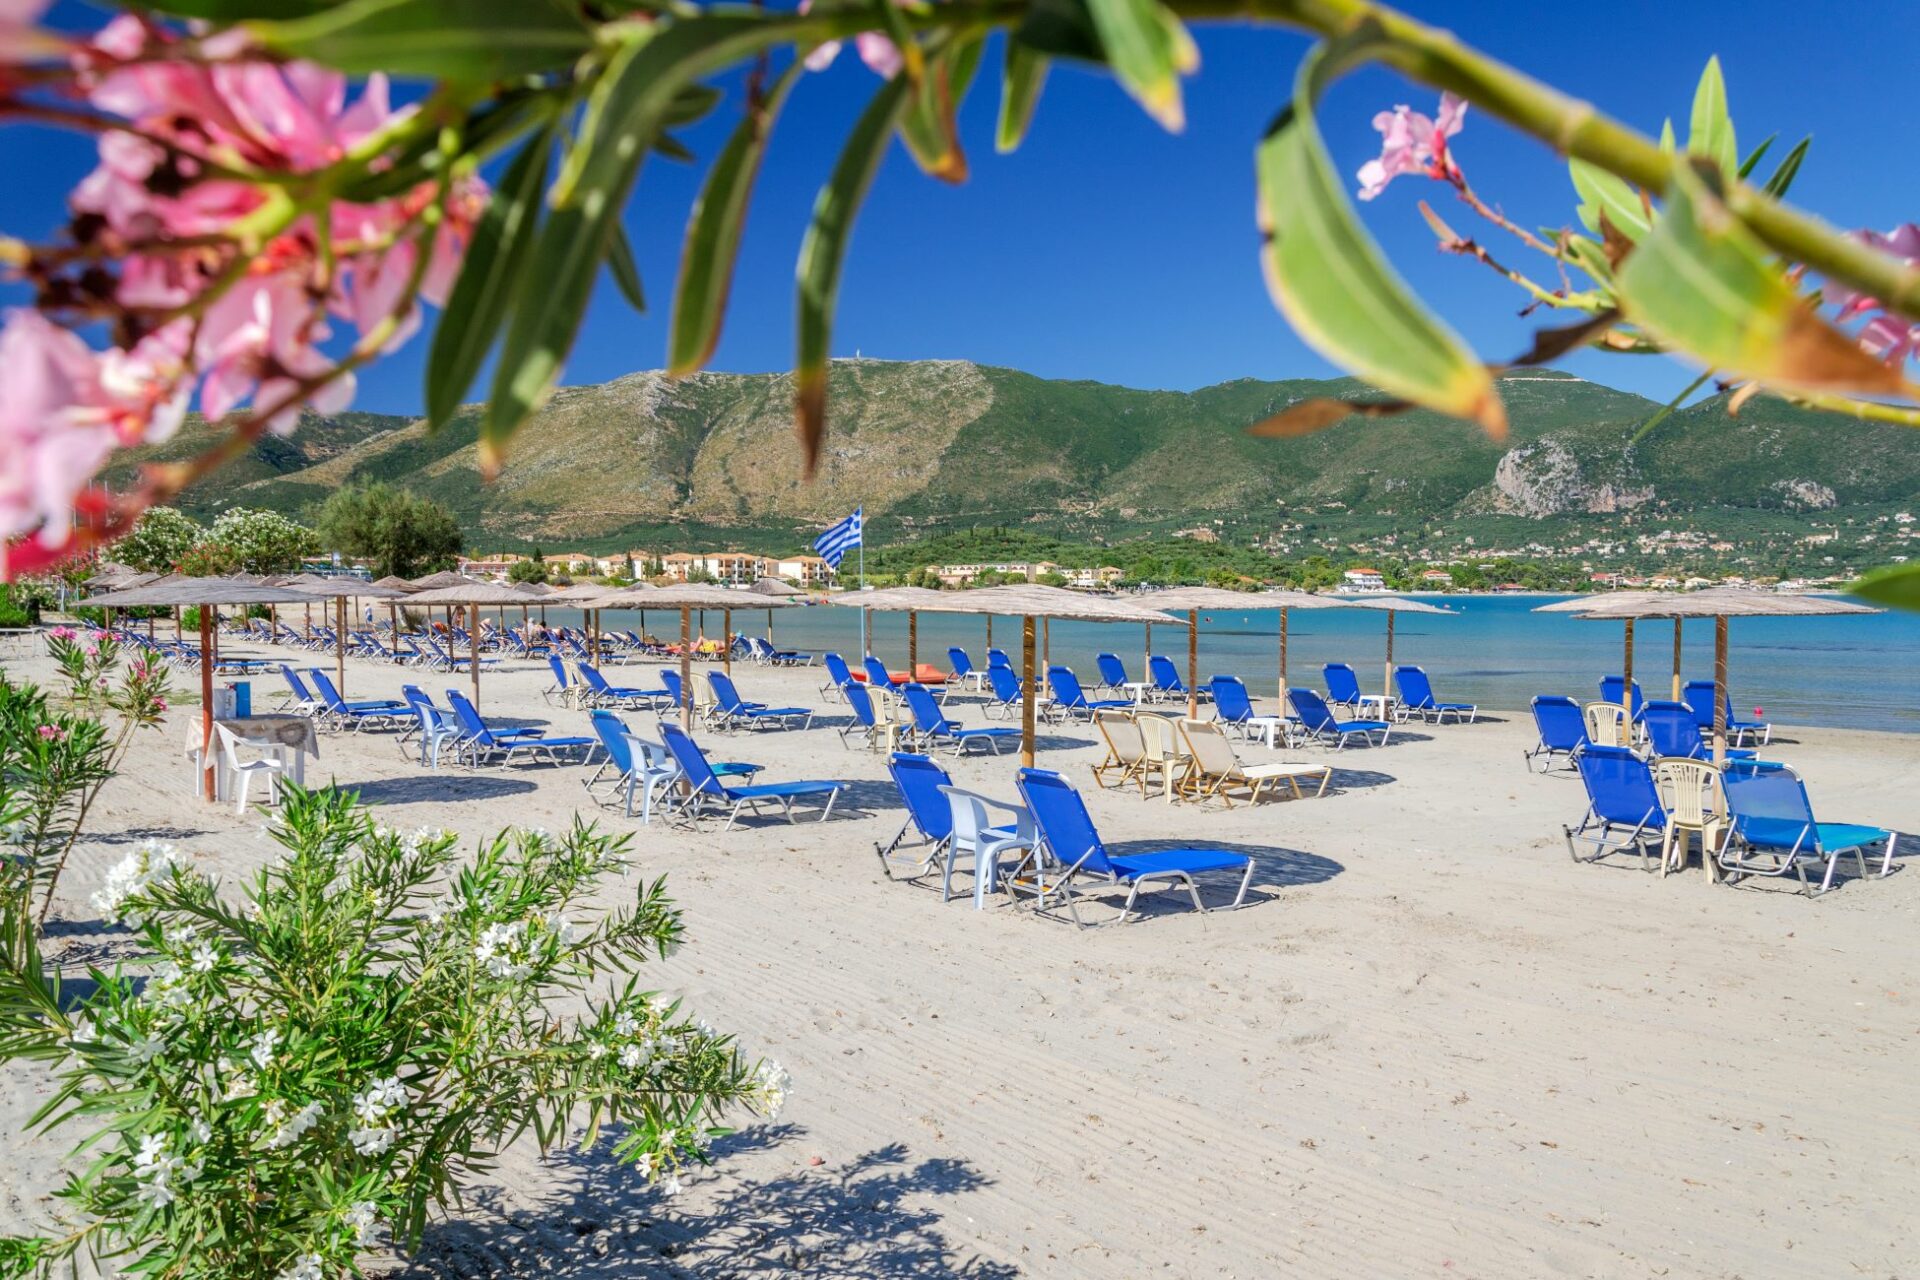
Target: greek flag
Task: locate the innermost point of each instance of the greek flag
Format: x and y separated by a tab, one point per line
843	537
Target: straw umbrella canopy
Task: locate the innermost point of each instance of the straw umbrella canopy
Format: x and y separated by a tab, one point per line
909	600
475	595
779	589
1624	600
1031	601
1392	605
587	595
339	588
206	594
1287	601
1190	601
1720	604
687	597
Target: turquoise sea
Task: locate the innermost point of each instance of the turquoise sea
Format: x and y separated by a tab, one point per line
1848	671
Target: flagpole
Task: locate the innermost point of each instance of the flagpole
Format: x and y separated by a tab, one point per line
866	628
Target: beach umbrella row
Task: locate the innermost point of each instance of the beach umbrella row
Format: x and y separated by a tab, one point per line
688	597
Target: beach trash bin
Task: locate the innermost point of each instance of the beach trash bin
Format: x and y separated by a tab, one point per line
242	699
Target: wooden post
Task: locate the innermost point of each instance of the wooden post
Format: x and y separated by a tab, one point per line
1046	643
1193	664
473	652
1146	659
989	631
1719	722
1626	690
206	703
1676	659
726	641
340	646
1283	664
1386	689
686	668
913	645
1026	691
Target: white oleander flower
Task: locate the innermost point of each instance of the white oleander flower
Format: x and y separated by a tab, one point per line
305	1267
362	1216
670	1185
147	1048
154	860
625	1024
263	1046
285	1130
596	1051
371	1142
771	1084
632	1056
205	957
200	1131
502	949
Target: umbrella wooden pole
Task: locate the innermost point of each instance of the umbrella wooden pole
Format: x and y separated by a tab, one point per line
913	645
1046	643
1676	659
1626	690
686	669
393	621
206	704
769	626
273	623
726	641
1146	659
593	634
473	653
1026	691
989	631
1386	686
179	634
209	648
1283	663
1193	664
340	645
1719	725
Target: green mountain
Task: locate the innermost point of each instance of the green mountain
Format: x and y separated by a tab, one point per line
940	445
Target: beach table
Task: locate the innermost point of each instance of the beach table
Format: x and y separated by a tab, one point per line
1381	705
1138	691
1272	728
289	738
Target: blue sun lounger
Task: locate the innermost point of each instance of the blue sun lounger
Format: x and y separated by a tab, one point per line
1004	692
1231	703
483	742
1563	730
1416	698
838	677
1621	797
1671	731
1113	672
930	726
1614	689
1323	726
730	709
1699	696
1774	830
600	693
704	787
1165	677
929	824
1069	699
1074	853
384	711
1343	687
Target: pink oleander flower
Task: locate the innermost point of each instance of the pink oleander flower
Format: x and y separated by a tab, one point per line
875	48
60	633
21	39
1412	143
52	733
159	705
1892	338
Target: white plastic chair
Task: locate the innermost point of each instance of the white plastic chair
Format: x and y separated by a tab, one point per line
242	771
654	769
976	836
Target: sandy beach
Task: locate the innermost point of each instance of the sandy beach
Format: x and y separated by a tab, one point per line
1430	1044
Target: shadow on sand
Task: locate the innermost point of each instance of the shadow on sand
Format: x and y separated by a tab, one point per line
868	1218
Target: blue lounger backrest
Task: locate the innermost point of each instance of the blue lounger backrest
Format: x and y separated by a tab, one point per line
1230	699
559	666
1165	676
670	681
591	677
1614	689
1066	687
961	663
1620	787
1672	730
998	658
926	712
1342	685
919	780
723	691
692	760
1113	672
293	683
1769	805
1312	709
1415	689
1062	819
1560	721
324	683
1006	685
877	673
837	669
613	736
860	702
469	718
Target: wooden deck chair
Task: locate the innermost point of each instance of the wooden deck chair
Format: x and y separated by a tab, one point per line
1126	751
1218	772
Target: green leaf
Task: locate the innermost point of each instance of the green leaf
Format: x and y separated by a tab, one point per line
1020	84
492	274
1332	282
1755	156
1711	132
1149	50
230	10
929	125
1701	283
1591	258
1783	177
824	250
1059	29
1602	192
1896	586
625	270
464	40
713	234
1667	143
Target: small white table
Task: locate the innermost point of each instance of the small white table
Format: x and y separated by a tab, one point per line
1381	706
1137	690
1272	728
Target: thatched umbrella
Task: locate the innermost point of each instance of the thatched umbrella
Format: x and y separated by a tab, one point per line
1624	600
205	594
686	598
1285	602
394	582
779	589
1720	604
442	580
1190	601
912	600
1027	603
587	595
474	596
1392	605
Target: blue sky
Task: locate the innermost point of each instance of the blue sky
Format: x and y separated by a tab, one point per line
1107	249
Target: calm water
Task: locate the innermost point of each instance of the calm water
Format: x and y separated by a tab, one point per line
1850	671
